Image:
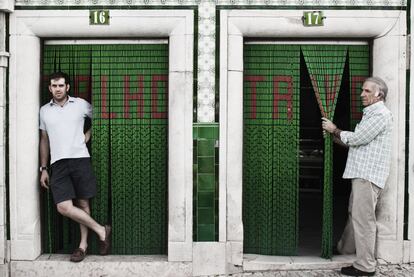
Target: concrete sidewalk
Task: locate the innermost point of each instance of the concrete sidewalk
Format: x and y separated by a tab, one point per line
403	270
159	266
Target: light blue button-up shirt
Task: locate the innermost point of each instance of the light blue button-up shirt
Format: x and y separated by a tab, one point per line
369	155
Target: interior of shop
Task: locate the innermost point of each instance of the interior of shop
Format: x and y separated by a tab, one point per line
311	166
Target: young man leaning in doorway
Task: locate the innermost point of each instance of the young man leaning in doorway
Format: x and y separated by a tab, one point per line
72	181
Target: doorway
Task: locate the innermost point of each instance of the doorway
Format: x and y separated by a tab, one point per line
127	85
284	211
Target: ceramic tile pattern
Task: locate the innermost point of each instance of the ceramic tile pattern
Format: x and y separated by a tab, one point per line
205	176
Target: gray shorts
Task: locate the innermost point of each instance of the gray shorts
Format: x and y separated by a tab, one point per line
72	179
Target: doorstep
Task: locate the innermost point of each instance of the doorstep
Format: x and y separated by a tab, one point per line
108	266
253	262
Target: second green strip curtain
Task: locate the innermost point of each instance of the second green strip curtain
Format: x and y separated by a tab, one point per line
325	64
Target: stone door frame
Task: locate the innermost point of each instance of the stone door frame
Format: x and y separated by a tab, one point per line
385	29
27	30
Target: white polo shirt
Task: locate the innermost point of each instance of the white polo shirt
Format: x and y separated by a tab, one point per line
64	126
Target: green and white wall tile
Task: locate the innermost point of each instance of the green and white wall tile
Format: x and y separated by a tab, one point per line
213	2
206	61
205	181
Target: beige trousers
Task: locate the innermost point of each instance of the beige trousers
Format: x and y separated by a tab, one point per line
361	229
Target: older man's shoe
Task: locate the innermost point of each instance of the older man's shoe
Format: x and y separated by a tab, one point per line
352	271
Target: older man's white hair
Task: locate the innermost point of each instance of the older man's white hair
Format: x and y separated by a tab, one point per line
381	86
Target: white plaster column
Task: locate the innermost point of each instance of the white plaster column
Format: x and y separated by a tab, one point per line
180	220
23	147
180	147
7	5
389	63
234	181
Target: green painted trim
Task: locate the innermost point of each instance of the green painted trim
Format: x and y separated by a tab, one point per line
195	66
407	155
407	136
408	17
217	57
155	7
7	133
261	7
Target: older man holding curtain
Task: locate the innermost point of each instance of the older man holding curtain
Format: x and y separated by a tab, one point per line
368	167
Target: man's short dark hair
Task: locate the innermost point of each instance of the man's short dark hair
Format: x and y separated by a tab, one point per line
58	75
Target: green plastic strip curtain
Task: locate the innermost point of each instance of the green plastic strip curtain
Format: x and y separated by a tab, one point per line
270	147
129	143
358	72
130	95
325	64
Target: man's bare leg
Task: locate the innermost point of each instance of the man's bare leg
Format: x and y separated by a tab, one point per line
83	204
66	208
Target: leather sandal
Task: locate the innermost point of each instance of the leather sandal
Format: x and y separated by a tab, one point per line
78	255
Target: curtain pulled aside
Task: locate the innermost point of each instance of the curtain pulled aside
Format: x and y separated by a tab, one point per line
325	64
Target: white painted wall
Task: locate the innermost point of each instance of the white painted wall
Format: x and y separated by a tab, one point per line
385	28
